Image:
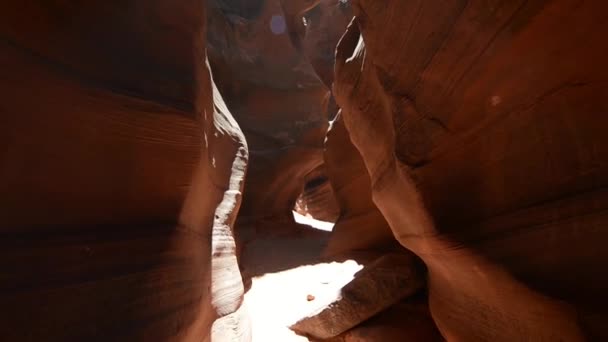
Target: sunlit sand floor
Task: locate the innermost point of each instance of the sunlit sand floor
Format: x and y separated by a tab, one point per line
277	300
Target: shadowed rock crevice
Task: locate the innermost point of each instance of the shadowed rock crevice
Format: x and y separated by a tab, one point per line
248	10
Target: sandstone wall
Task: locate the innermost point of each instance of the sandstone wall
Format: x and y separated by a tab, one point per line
121	173
491	115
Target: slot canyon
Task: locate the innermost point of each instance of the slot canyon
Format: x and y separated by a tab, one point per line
304	170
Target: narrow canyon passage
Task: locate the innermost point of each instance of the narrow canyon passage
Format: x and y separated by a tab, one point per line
273	64
303	170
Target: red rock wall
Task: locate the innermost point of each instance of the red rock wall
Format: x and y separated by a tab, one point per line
494	114
275	95
325	24
120	178
360	226
318	199
473	132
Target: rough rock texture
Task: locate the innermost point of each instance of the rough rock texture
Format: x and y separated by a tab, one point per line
379	285
120	174
491	115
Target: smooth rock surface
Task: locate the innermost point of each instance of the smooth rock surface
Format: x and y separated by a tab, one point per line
120	172
360	226
491	116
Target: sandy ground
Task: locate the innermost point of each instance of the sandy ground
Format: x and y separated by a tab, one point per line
276	300
316	224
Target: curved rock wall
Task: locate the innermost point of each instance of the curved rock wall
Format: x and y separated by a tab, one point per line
121	175
491	116
471	133
360	226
